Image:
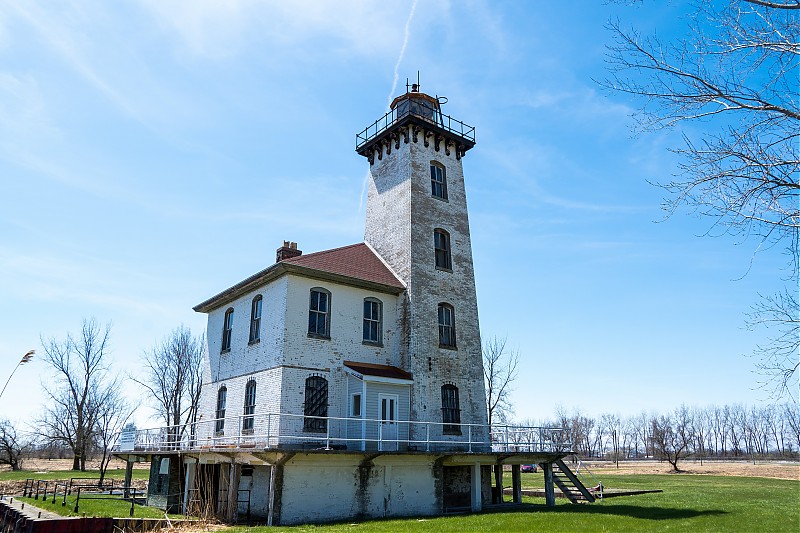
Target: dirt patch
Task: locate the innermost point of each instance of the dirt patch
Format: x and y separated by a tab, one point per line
34	466
768	469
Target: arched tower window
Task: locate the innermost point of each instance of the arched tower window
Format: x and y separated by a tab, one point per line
447	326
255	319
438	181
441	247
373	321
222	398
319	313
227	330
451	413
316	406
249	405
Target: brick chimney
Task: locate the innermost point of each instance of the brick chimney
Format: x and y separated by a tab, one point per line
287	251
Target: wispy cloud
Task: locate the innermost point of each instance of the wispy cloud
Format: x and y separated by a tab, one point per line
222	29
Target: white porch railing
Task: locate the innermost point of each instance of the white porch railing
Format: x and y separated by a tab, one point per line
292	431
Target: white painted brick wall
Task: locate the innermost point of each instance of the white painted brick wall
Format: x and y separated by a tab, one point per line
401	218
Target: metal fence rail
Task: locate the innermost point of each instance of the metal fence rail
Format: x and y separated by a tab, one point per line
284	430
422	110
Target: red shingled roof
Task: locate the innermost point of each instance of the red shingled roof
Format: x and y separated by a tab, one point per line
383	371
354	261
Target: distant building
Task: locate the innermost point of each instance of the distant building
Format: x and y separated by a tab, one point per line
348	382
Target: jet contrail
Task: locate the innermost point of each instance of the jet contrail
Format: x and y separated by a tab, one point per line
393	89
402	53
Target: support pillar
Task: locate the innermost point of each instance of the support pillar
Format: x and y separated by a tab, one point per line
476	493
498	482
233	492
128	478
549	490
516	483
191	470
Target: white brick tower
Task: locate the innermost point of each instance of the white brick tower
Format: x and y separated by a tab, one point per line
417	222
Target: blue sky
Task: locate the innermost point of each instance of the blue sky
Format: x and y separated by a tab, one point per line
154	152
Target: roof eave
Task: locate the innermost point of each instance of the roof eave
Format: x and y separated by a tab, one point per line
279	269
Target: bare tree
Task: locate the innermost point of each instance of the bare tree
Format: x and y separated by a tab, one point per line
75	395
174	377
671	436
113	412
499	372
736	72
11	446
777	361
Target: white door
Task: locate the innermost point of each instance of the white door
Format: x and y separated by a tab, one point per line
387	432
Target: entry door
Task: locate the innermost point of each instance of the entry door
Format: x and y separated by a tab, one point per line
388	423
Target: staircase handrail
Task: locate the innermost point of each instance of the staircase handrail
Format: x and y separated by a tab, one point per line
594	484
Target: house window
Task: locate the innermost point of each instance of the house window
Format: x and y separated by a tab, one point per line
227	330
316	406
447	326
373	310
451	414
249	405
438	181
319	314
441	247
255	319
222	396
355	405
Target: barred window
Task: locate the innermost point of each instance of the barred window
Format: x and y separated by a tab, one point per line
319	313
315	409
447	326
451	414
255	319
249	405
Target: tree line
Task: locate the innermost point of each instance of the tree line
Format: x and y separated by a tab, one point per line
734	431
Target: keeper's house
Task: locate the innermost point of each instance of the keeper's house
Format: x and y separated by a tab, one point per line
348	383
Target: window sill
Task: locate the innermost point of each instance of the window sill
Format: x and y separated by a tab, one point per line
445	199
317	431
254	341
222	352
318	336
448	347
248	432
444	269
452	432
377	344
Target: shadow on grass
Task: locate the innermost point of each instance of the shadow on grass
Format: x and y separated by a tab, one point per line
632	511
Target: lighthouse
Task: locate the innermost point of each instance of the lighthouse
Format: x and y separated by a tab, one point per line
417	221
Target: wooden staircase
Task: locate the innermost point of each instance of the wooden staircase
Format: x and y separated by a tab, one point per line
569	484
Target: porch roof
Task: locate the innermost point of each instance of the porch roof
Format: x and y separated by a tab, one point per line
364	370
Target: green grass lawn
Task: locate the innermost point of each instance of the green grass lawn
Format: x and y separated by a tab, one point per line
689	503
116	474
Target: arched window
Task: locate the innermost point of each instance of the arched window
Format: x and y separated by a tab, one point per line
319	313
249	405
227	330
447	326
222	397
451	414
316	406
255	319
373	320
438	181
441	248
